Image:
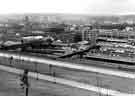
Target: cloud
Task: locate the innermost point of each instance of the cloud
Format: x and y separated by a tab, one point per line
68	6
112	7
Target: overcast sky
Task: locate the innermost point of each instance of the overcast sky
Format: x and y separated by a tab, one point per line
68	6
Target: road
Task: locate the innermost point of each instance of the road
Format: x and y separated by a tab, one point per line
10	87
71	83
87	68
122	82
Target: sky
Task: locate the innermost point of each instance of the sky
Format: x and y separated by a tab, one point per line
93	7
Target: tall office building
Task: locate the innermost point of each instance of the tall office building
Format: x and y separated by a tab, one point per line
90	35
26	24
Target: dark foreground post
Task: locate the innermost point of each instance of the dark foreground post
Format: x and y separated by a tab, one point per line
26	91
25	83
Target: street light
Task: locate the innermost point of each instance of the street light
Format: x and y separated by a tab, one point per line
98	82
24	82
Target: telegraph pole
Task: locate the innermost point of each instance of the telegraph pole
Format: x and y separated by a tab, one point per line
98	83
24	82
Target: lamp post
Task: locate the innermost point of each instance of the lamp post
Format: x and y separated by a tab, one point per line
24	82
98	82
